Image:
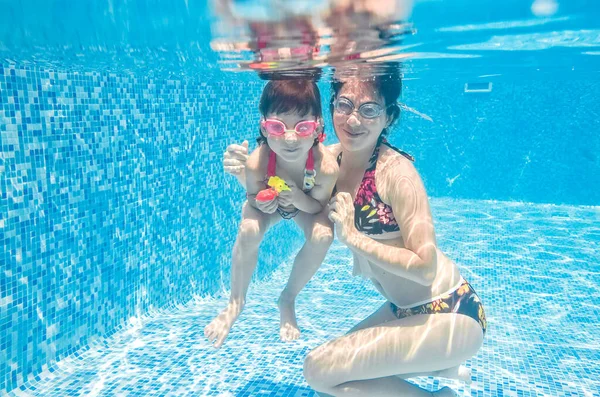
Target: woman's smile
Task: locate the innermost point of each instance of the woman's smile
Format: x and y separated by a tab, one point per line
354	134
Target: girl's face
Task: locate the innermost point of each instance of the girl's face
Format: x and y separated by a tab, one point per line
291	145
355	127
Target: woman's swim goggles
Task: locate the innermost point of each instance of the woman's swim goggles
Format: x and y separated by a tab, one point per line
369	110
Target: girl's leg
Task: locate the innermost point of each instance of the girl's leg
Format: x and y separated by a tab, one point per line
318	232
252	229
371	361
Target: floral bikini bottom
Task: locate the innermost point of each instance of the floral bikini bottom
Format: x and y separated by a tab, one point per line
462	300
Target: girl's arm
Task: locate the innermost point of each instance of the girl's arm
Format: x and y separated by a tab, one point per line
235	157
255	170
314	201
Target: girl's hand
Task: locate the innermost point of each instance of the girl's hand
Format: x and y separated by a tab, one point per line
234	159
268	207
286	197
341	213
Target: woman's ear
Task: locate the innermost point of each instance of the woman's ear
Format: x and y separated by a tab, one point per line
393	115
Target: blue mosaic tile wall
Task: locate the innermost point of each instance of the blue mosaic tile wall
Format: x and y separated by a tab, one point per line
113	203
534	138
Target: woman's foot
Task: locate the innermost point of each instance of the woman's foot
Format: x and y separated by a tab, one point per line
288	327
445	392
460	372
219	327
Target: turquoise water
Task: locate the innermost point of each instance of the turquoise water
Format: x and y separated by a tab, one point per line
531	263
117	221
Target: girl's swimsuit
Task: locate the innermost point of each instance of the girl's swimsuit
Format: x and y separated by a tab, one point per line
309	179
374	217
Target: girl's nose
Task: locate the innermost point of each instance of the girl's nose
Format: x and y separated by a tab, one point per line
290	137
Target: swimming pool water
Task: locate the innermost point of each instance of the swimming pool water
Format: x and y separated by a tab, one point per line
117	221
534	267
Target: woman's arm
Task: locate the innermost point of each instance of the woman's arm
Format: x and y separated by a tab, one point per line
407	197
234	161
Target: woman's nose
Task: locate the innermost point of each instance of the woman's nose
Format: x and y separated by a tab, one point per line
353	121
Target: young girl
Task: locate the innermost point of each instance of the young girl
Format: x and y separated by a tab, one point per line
290	148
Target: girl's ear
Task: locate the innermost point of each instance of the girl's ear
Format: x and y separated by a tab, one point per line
262	128
262	131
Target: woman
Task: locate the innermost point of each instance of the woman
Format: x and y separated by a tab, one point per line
432	319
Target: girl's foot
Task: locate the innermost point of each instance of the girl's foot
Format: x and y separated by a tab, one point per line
288	328
219	328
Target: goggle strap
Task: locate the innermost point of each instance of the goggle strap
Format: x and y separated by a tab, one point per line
310	162
272	166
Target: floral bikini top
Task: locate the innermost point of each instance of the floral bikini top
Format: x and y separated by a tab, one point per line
371	214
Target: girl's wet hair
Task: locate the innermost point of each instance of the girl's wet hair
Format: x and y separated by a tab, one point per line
387	82
286	96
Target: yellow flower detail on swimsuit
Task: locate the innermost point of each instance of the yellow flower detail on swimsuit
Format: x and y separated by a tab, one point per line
366	207
372	213
278	184
481	316
437	305
463	289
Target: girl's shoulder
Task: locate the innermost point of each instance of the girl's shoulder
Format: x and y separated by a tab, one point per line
258	159
334	149
325	161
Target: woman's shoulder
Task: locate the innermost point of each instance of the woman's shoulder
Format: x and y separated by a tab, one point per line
396	173
395	161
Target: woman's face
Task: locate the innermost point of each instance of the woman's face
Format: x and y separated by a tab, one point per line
354	131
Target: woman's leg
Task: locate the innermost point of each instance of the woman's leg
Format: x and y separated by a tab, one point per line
383	315
252	229
371	361
318	232
378	317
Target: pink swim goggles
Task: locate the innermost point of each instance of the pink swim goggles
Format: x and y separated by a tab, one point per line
277	128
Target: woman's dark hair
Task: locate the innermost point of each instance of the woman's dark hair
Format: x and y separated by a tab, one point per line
284	96
387	82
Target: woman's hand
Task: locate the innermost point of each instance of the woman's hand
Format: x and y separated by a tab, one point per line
234	159
341	213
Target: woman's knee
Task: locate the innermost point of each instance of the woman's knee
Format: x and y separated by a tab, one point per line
314	375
